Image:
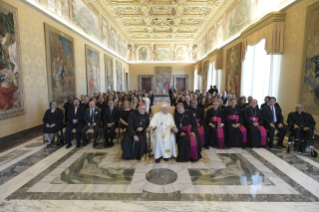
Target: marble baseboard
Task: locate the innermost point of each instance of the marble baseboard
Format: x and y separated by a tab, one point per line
16	139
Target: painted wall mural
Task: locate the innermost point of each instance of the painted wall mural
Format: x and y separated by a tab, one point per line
84	16
92	70
233	70
119	76
163	75
309	94
162	53
142	54
60	64
11	79
109	73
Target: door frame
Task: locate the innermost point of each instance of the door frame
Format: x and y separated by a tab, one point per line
145	76
181	76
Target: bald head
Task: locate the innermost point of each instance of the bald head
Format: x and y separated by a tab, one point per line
253	103
299	108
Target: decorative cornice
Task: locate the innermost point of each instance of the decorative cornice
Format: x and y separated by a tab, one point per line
265	21
213	53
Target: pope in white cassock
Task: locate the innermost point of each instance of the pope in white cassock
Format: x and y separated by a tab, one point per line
162	137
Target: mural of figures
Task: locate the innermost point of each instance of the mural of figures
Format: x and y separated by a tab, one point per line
163	79
108	73
239	17
11	84
194	52
92	70
142	54
180	54
121	47
203	46
104	32
84	18
113	40
309	94
233	69
60	64
119	76
162	52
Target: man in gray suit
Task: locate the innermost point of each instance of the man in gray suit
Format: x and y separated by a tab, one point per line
92	120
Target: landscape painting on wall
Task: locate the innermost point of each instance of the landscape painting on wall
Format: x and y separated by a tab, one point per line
92	70
11	79
119	76
163	76
60	64
162	52
239	17
233	70
309	94
85	19
108	73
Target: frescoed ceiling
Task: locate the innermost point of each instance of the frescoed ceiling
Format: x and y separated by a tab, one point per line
163	20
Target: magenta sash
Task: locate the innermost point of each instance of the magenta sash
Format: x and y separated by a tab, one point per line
241	127
193	142
220	131
262	130
201	132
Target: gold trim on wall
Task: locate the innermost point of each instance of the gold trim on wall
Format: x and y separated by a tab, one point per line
265	21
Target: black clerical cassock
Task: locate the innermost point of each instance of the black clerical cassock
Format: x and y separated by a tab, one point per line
216	134
236	136
189	147
199	115
302	120
257	135
131	148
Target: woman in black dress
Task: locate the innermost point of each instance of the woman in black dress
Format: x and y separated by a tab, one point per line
52	121
125	113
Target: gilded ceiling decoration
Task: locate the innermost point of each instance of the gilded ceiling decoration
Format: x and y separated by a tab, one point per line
146	20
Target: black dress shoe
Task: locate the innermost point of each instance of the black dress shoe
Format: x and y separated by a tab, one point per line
206	146
280	145
158	160
94	144
111	144
166	159
78	146
270	144
85	143
138	158
68	146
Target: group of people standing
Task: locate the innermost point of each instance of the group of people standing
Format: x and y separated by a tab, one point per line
207	119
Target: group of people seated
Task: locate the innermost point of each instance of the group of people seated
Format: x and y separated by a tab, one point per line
207	119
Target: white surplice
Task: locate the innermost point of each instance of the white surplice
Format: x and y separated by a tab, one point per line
163	139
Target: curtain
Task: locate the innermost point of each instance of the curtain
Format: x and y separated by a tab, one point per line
260	73
8	22
195	80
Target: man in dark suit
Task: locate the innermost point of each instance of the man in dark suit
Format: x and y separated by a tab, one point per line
302	125
171	92
224	97
151	96
101	103
76	120
85	105
187	103
66	107
111	118
266	102
92	120
273	120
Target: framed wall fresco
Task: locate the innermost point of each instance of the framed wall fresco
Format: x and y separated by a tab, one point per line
104	32
108	73
121	47
142	54
162	52
309	92
60	64
11	80
119	76
180	53
233	70
163	76
239	17
85	18
92	57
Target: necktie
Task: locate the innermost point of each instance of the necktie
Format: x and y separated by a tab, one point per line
111	109
273	115
92	115
76	109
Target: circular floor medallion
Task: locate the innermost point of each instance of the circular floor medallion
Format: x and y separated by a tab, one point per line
161	176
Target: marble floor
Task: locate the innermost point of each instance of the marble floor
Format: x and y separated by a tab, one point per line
34	177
